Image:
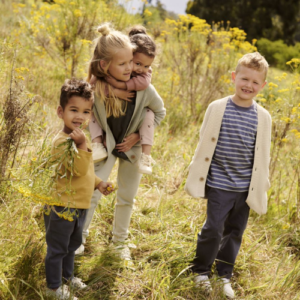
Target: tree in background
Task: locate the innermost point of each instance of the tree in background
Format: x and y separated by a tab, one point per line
272	19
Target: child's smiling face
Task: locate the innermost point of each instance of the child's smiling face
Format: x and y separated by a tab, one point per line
248	82
120	66
141	63
77	112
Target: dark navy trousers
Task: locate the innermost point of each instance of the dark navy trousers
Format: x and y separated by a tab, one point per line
63	238
221	236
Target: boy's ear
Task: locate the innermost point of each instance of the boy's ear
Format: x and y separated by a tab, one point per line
103	64
264	84
233	76
60	112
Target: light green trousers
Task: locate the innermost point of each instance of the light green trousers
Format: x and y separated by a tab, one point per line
128	181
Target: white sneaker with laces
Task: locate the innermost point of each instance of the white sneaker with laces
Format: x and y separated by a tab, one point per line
62	293
122	250
99	152
227	289
145	164
203	281
77	283
80	250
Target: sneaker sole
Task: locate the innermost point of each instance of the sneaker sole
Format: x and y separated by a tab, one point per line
145	172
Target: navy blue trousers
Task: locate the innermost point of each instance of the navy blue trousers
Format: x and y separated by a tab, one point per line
221	236
63	239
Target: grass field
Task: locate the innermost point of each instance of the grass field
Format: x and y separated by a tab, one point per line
192	69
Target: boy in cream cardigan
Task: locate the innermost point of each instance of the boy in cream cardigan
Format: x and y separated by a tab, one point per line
230	168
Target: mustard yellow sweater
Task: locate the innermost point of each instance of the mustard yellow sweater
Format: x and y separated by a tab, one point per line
73	190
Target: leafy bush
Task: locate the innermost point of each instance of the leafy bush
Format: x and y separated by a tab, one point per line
277	53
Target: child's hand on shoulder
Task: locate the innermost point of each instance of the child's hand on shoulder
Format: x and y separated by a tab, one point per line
105	188
78	136
124	95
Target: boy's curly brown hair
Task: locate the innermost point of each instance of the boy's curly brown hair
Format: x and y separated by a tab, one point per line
75	87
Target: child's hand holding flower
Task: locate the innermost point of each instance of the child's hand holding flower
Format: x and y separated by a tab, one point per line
78	136
105	188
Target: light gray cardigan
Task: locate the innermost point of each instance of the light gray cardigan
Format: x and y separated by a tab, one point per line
209	134
146	98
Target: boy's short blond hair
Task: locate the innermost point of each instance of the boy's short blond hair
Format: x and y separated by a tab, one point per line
253	61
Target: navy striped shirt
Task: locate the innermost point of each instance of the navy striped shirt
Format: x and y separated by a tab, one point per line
231	165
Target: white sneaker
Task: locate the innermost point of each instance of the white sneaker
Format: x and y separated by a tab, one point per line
62	293
80	250
227	289
203	281
145	164
77	283
99	152
123	250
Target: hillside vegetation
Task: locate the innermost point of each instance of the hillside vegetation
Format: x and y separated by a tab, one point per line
43	43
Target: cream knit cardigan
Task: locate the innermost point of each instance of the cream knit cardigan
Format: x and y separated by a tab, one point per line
209	133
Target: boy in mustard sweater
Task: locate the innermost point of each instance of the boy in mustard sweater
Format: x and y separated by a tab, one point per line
74	187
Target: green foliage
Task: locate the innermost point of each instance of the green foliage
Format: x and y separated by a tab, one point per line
277	53
196	62
155	15
64	29
260	18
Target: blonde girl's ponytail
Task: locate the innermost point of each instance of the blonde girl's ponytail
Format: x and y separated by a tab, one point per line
104	29
106	46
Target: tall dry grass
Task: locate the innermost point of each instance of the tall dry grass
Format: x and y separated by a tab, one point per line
192	70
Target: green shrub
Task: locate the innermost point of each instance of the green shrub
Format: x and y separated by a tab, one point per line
277	53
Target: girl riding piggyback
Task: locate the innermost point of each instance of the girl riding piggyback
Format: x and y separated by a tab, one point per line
145	51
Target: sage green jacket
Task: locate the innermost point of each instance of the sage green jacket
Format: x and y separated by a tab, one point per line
148	98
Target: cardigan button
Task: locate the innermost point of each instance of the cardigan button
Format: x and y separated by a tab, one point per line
206	159
201	179
132	156
213	139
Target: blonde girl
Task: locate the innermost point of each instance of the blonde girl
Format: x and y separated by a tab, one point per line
119	119
143	56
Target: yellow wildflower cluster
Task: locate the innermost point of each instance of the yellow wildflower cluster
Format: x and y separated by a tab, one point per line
272	85
147	13
22	70
55	28
218	37
27	193
111	188
283	90
66	216
185	22
286	119
238	34
295	62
